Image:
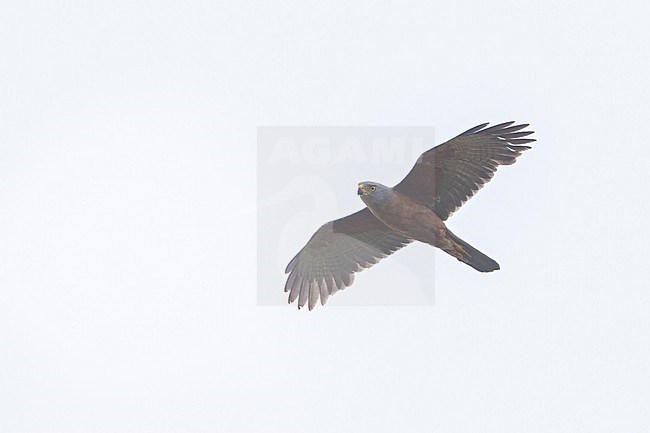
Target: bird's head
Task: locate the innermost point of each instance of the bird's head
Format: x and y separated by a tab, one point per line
373	192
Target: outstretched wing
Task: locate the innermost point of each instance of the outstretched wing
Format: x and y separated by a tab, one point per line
446	176
335	252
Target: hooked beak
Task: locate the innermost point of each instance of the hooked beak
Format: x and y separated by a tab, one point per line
361	189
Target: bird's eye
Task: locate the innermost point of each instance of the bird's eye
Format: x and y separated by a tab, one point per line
373	188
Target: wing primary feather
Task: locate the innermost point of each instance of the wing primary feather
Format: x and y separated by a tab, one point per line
500	126
290	281
474	129
512	129
345	278
304	293
517	134
324	292
338	282
521	141
314	293
295	291
291	264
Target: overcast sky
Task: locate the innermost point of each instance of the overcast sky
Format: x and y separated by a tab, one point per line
129	201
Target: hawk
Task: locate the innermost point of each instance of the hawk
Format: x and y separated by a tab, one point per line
415	209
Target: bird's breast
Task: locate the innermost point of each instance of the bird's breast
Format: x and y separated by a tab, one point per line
394	213
407	217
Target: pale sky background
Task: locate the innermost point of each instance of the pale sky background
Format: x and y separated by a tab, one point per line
128	218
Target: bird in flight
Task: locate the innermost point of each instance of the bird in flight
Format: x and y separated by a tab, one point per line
415	209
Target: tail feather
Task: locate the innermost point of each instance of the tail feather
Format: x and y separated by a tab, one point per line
470	255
